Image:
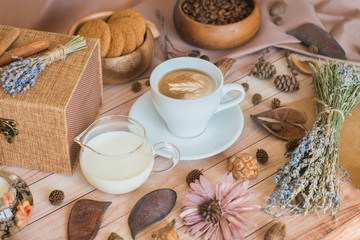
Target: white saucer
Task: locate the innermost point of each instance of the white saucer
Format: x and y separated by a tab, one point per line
222	131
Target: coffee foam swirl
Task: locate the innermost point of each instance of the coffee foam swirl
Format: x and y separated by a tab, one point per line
186	84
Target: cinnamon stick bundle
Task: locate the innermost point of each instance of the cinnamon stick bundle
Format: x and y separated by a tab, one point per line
7	38
24	51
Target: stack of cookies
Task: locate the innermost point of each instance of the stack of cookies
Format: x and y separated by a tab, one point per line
122	34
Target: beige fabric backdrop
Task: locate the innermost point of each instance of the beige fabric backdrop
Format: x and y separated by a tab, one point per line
340	18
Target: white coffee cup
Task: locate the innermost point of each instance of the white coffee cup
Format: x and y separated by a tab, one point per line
189	118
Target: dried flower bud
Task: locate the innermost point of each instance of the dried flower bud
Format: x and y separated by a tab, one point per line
136	86
291	145
256	99
196	51
192	55
147	83
276	232
246	86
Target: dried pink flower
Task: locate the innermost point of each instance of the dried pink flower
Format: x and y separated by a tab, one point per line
218	214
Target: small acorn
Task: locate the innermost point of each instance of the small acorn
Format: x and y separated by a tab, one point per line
276	232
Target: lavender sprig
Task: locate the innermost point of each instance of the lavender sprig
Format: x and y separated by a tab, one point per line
310	180
20	75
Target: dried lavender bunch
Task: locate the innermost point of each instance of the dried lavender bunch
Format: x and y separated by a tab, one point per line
19	76
310	179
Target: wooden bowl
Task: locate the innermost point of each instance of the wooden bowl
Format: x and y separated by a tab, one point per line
124	68
217	36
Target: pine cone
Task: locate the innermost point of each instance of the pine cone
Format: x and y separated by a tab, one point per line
275	103
286	83
262	156
243	166
193	175
263	69
291	145
56	197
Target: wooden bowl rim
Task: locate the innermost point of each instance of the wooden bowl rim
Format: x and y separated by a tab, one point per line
256	6
75	27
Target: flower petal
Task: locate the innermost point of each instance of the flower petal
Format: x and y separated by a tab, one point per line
218	191
225	229
188	211
195	198
235	192
241	200
190	220
249	208
237	223
236	232
207	186
204	229
227	183
210	231
196	227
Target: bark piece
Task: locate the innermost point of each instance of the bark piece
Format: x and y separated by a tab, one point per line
7	38
85	218
311	34
151	208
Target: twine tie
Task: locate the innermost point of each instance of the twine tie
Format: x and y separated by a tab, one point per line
329	111
58	53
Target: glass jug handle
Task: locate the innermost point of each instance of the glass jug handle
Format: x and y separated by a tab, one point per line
167	151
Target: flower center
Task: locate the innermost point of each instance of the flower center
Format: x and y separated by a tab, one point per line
211	211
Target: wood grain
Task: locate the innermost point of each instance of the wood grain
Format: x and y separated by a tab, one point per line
51	221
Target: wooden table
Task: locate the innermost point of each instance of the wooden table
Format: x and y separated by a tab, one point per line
50	222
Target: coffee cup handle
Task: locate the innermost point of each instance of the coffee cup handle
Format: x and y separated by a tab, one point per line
172	154
231	87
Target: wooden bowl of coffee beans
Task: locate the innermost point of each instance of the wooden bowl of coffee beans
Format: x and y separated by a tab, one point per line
217	24
126	43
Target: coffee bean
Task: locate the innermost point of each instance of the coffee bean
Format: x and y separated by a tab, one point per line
216	12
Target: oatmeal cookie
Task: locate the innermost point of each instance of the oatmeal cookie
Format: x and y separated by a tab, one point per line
129	13
117	41
97	29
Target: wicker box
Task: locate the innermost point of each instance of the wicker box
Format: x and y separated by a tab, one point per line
66	99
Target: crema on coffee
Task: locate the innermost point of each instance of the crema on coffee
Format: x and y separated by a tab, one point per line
186	84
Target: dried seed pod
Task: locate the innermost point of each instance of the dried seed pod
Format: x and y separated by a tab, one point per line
166	233
56	197
276	232
262	156
205	57
246	86
303	65
256	99
147	82
136	86
278	8
151	208
243	166
85	218
286	83
193	175
275	103
285	122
